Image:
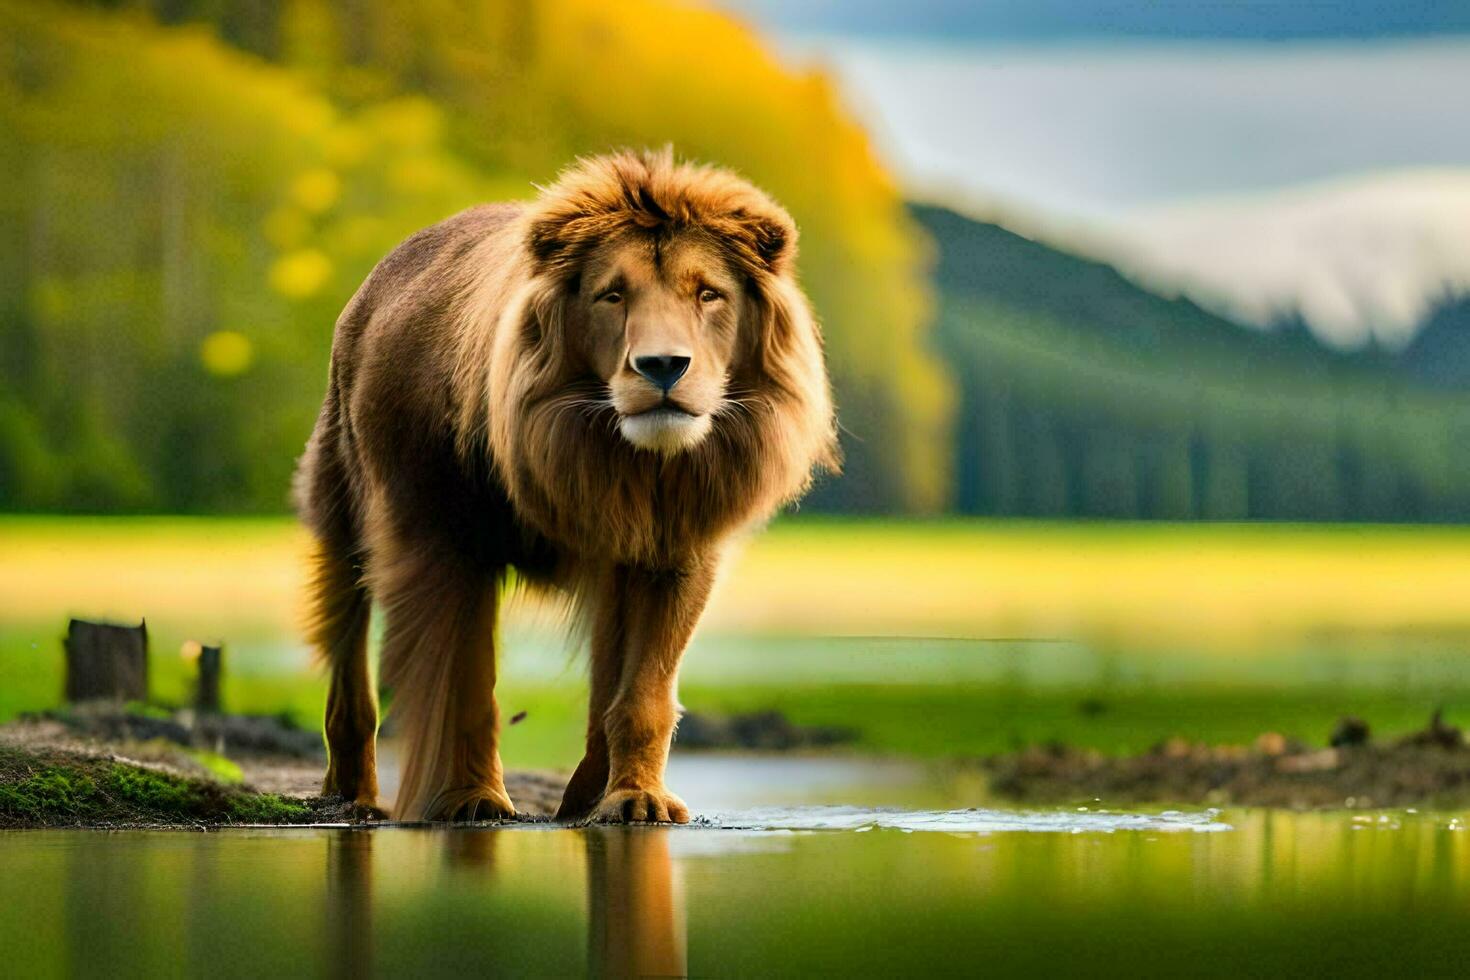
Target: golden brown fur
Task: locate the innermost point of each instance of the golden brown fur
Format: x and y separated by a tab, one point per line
491	406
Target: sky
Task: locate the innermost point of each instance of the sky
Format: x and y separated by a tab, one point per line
1032	20
1327	173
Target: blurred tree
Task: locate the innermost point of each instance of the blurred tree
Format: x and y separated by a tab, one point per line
175	256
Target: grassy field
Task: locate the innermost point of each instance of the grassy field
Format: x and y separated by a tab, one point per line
933	639
1139	584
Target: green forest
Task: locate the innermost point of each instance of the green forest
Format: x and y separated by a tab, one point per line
190	190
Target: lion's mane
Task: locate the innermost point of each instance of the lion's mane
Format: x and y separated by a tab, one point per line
550	433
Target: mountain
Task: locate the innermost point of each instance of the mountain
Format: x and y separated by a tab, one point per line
1363	259
1082	393
979	260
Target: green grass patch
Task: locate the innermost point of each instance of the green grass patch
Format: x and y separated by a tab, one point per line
55	790
220	768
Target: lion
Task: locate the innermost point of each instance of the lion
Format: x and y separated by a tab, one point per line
597	391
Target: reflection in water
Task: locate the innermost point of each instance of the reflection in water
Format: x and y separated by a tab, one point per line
472	849
350	903
1278	894
635	905
635	910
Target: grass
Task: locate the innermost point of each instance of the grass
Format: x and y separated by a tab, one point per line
1214	632
55	789
32	674
932	721
220	769
970	721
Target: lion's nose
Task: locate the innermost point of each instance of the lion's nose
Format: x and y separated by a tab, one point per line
664	370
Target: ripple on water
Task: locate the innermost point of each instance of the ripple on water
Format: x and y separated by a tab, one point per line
974	821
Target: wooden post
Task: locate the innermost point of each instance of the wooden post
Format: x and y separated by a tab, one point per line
207	694
106	660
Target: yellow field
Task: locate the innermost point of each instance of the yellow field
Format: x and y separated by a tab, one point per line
1135	584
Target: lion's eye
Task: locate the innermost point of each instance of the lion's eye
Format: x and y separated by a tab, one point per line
611	296
708	295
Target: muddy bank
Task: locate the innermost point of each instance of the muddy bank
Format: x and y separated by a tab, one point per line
1425	768
79	766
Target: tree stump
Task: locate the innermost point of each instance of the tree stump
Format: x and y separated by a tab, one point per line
206	694
106	660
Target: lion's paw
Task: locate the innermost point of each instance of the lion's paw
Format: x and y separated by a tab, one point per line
354	786
641	806
360	811
471	806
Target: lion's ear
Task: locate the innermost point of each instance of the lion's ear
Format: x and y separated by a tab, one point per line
773	235
546	237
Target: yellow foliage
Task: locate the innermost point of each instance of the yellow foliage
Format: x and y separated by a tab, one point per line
316	190
286	228
300	274
407	122
308	116
346	145
415	174
360	235
226	353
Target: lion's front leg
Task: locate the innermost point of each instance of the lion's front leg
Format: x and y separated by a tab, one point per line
584	790
661	609
639	733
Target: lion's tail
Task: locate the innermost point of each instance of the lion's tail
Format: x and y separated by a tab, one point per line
339	606
339	600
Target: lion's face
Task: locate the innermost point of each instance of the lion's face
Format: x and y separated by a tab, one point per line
656	378
659	320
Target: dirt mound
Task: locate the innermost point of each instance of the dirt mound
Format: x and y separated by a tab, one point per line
59	788
1429	767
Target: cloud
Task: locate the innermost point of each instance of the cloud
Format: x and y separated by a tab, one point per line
1362	259
1326	178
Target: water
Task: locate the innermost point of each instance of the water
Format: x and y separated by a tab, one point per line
755	890
806	866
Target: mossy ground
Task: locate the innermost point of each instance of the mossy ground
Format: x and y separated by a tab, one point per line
58	789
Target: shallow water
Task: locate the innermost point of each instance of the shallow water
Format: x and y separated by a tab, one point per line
756	887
